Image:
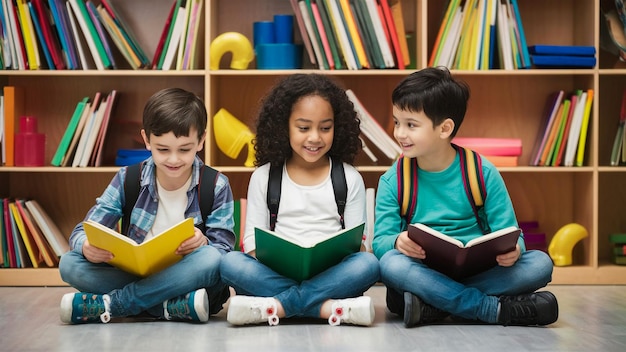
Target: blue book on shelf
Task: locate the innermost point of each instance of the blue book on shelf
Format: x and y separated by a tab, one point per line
563	61
563	50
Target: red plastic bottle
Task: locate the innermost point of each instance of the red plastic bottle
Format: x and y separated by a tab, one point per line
29	145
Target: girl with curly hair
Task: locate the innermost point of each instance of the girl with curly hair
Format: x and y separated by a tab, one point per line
304	121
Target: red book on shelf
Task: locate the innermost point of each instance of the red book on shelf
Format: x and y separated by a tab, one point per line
391	28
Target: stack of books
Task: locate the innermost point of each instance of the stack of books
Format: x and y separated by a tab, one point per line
563	139
481	35
618	246
500	151
29	238
343	34
563	56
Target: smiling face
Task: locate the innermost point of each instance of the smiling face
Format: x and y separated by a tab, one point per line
414	132
173	156
311	130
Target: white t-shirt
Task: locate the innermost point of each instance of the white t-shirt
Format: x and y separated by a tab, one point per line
171	209
303	210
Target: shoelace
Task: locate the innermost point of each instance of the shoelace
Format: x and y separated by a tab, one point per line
94	306
521	308
177	307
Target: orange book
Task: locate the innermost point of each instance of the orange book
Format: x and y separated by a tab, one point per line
46	254
550	141
503	160
398	20
13	109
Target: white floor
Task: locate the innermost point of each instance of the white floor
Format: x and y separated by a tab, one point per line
592	318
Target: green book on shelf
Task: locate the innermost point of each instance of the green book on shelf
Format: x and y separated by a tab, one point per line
301	258
57	159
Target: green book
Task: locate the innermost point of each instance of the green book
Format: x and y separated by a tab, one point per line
57	159
301	258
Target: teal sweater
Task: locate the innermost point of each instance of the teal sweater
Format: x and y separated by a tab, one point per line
443	205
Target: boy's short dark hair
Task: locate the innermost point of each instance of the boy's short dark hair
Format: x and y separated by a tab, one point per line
174	110
434	91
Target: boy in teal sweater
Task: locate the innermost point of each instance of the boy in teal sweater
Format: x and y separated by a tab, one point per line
428	109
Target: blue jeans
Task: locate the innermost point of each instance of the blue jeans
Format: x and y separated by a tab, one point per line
471	298
350	278
131	295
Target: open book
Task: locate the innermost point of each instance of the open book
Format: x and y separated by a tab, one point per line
448	255
147	258
299	258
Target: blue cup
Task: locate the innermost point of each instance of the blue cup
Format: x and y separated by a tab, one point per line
279	56
283	28
263	33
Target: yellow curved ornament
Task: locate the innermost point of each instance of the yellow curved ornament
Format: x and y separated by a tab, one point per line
238	44
231	135
563	242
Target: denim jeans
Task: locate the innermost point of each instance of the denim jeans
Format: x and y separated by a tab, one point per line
131	295
475	297
350	278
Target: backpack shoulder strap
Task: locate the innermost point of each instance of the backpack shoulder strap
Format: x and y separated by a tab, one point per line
273	192
407	187
340	186
132	184
208	176
473	181
206	195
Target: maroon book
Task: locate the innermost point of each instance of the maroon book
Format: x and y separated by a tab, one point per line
450	257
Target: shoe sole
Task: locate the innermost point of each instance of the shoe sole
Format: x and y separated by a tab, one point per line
66	308
411	303
201	305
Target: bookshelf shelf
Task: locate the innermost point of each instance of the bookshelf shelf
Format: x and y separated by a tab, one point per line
504	103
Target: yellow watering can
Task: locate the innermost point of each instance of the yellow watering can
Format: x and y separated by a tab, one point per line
231	135
562	244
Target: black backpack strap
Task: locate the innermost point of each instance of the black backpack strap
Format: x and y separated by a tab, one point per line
274	182
132	184
340	186
206	195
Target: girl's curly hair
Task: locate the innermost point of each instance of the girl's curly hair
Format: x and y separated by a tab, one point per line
272	126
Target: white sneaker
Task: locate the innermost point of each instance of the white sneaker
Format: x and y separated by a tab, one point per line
252	310
357	311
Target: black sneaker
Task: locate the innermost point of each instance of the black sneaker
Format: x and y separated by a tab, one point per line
538	308
416	312
395	301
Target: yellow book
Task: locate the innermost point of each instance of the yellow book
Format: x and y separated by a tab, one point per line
28	35
147	258
33	252
353	33
580	155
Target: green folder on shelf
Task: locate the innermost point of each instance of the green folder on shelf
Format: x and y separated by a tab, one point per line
299	258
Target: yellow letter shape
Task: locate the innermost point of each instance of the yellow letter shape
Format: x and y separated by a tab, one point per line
563	242
238	44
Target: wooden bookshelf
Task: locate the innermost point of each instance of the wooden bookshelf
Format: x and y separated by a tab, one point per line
503	104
